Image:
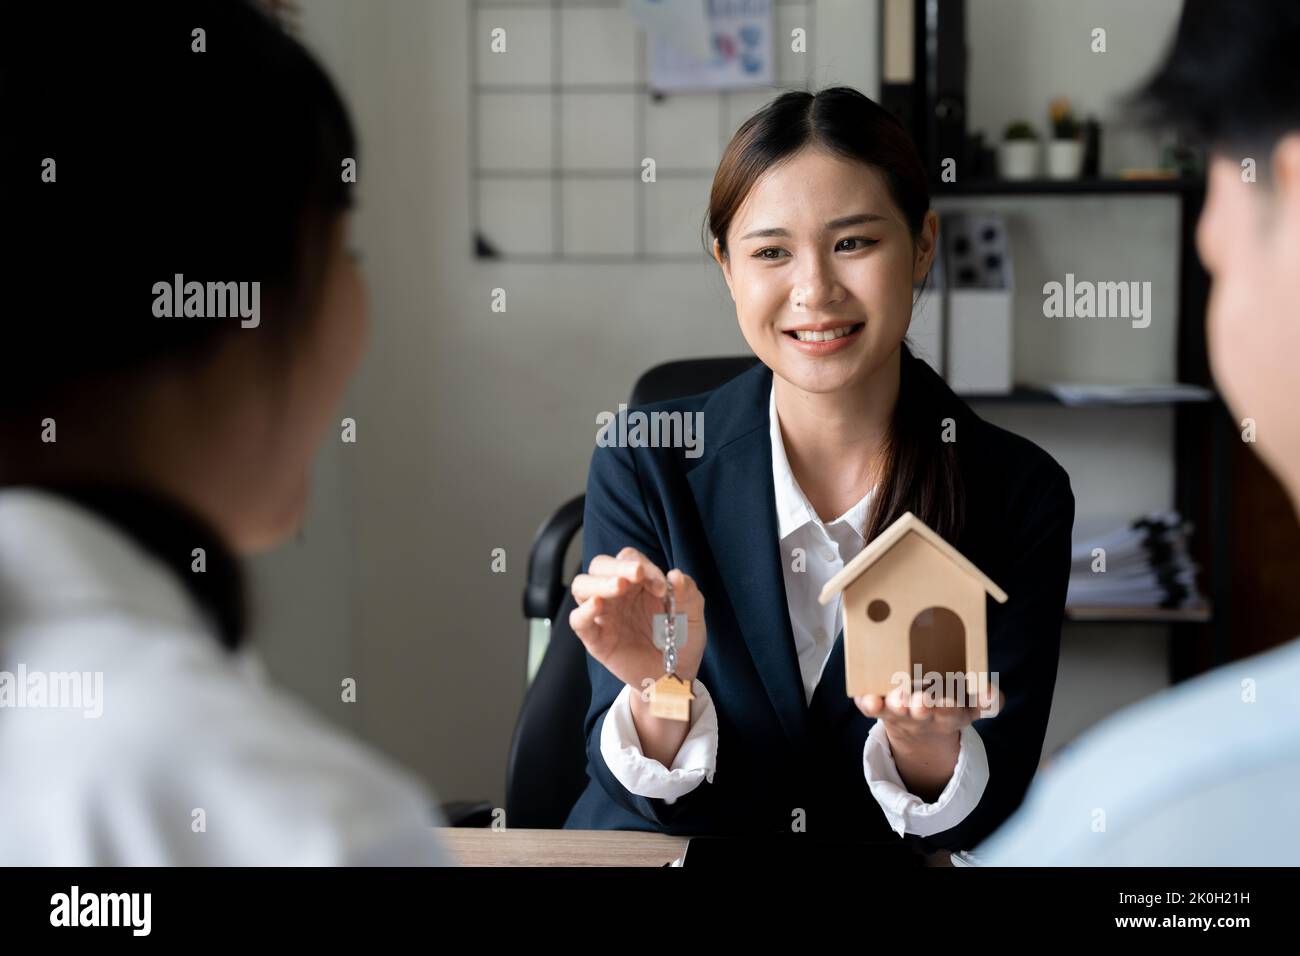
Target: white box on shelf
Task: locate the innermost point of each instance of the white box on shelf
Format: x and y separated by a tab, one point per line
979	341
978	268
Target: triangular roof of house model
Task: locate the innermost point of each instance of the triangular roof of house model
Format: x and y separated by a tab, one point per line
675	685
881	546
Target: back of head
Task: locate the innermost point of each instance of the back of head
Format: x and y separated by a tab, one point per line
1230	78
1231	82
144	141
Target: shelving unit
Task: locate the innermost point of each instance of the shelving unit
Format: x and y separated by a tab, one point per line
926	84
1201	428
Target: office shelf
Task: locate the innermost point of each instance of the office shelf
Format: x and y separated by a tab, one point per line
1032	395
1099	614
1067	187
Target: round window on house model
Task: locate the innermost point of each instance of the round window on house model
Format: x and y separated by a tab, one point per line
878	610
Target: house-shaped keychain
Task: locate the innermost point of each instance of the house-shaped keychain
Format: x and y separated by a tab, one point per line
672	698
911	598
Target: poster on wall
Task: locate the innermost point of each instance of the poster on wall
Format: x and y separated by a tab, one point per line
707	44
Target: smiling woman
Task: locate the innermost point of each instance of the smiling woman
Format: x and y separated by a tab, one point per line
803	271
820	221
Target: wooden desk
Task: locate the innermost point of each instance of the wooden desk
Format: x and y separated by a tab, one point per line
487	847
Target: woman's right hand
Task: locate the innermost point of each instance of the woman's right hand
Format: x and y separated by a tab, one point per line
617	600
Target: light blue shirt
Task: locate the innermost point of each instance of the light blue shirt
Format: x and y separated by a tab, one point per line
1206	773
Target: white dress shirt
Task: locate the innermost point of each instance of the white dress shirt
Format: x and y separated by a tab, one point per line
823	550
1159	784
167	750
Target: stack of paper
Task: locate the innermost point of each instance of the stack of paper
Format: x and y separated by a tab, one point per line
1074	393
1143	565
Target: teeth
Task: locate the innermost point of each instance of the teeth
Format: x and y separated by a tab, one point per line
827	336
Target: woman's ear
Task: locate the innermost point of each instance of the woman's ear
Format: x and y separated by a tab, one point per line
725	264
927	242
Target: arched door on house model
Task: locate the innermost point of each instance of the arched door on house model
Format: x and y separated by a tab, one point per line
937	641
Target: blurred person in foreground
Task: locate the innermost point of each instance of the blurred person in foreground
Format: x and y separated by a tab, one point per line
182	316
1207	772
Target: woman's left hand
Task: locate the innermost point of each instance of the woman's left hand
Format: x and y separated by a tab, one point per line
925	737
909	716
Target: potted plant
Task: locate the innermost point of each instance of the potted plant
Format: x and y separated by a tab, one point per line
1065	150
1018	152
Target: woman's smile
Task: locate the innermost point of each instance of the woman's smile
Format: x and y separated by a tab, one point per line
824	339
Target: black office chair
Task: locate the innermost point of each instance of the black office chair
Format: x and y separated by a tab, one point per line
547	768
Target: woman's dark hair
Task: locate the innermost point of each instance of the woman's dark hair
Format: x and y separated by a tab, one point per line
140	141
921	474
1230	77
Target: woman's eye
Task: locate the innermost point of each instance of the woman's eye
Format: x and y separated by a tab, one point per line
857	242
771	252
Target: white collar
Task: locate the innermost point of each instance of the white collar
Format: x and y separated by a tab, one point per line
57	557
793	509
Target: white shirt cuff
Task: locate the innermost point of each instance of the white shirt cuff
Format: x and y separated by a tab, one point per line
905	811
696	759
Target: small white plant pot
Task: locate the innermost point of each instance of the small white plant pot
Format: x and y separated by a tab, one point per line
1064	159
1018	159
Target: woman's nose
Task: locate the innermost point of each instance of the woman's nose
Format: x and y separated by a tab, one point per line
817	288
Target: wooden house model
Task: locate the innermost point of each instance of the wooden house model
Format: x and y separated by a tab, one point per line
911	598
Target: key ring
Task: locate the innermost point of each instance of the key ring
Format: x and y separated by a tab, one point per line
672	696
670	629
670	611
669	624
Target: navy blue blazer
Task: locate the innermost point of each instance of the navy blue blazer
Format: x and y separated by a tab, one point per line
714	516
